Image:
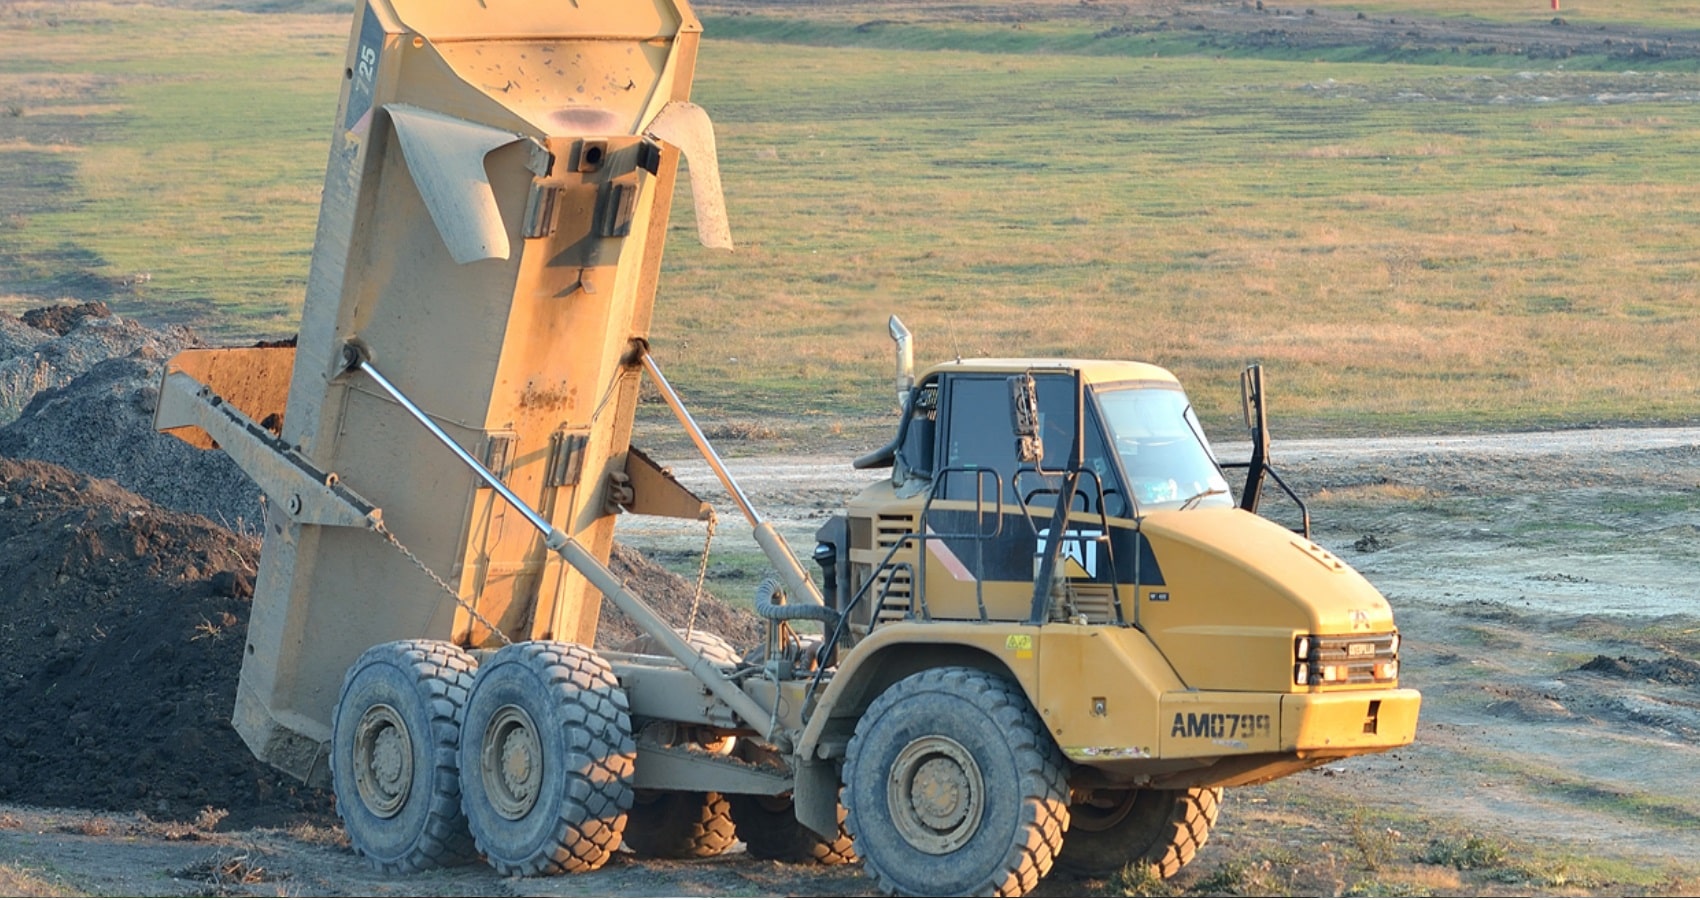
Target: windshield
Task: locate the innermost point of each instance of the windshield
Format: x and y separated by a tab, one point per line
1162	449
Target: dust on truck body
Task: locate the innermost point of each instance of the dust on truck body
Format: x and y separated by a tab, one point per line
1048	639
490	231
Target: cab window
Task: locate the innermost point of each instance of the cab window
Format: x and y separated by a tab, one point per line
979	437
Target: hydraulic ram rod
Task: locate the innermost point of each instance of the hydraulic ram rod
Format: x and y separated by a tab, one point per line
587	565
798	584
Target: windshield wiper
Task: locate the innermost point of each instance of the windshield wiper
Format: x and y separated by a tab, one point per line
1207	492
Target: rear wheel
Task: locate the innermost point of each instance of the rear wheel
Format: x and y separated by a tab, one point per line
546	764
679	824
1112	829
394	768
769	829
954	787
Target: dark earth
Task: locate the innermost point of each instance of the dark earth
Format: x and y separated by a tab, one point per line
122	622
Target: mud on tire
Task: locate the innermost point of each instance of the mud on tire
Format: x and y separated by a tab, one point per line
954	787
1112	829
546	759
394	765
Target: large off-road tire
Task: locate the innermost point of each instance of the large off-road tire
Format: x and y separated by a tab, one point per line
769	829
546	759
1112	829
680	824
954	788
394	768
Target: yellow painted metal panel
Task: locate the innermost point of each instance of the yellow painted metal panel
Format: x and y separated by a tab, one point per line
1099	691
1219	723
1228	566
1356	721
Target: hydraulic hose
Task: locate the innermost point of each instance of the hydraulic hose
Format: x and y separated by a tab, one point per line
770	604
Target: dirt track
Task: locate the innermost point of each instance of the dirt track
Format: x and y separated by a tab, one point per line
1544	584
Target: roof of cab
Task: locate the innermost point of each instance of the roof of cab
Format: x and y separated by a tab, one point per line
1095	371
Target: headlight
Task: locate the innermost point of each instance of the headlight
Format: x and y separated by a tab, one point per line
1326	660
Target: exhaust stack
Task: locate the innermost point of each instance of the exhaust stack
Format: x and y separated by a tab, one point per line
905	360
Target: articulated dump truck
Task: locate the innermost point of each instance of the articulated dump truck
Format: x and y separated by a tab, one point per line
1046	642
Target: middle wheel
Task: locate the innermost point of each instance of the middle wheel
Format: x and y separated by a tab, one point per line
546	759
680	825
769	828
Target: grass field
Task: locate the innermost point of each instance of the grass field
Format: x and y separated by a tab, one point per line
1406	244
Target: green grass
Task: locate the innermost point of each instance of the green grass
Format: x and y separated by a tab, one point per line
1093	39
1378	251
1407	246
1650	13
197	190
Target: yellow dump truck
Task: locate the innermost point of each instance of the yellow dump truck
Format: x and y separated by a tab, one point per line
1048	640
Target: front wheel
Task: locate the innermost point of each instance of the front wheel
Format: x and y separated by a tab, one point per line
1110	829
954	788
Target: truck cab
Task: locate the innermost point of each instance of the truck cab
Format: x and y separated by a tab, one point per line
1169	637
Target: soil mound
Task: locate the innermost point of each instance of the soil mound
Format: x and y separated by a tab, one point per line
1665	670
122	626
101	423
49	347
121	634
671	596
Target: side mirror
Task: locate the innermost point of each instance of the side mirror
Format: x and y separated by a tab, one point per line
1024	419
1251	395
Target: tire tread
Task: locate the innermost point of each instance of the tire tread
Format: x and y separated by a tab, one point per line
1041	772
443	673
590	824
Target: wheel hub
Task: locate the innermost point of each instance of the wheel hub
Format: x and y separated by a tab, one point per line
512	762
936	794
383	760
1101	809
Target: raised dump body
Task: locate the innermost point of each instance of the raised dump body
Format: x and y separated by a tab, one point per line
494	210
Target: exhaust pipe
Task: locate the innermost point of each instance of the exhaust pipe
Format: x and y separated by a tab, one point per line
905	360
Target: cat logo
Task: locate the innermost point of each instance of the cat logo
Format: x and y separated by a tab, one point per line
1079	552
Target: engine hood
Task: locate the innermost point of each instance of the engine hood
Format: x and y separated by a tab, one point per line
1237	589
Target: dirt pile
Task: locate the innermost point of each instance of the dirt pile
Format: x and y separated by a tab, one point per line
1664	670
49	347
671	596
78	387
122	625
121	634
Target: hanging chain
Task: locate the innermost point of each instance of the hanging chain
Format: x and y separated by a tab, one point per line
702	576
387	535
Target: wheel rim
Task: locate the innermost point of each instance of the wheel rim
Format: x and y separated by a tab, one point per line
383	760
1101	809
936	794
512	762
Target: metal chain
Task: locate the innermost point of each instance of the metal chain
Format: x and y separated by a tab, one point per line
387	535
702	575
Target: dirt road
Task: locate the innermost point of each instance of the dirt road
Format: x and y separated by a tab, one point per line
1545	584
